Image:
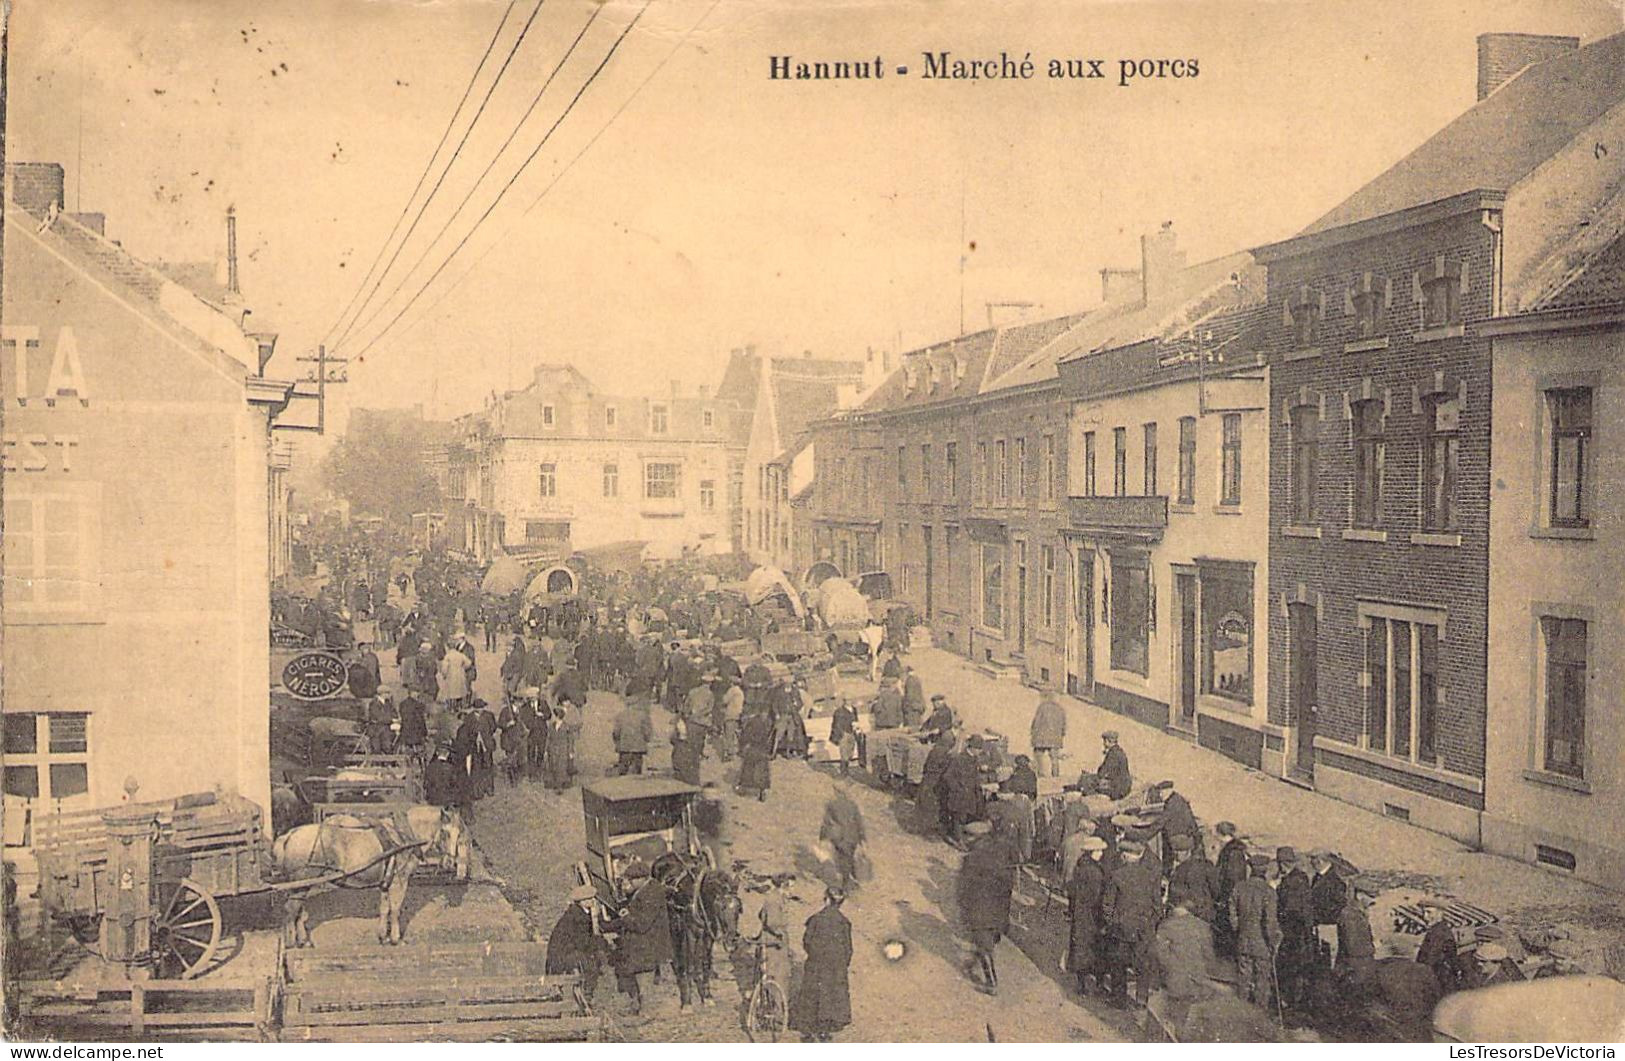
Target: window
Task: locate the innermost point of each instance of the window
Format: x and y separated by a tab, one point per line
1403	687
1148	433
549	480
1049	468
612	480
982	484
993	587
1230	459
660	480
1563	747
49	543
1003	470
1368	314
611	417
1187	460
547	416
950	457
1120	461
47	762
659	418
1305	313
902	472
1046	558
1305	462
1369	451
925	471
708	495
1227	634
1088	464
1570	413
1441	418
1021	469
708	419
1131	612
1439	301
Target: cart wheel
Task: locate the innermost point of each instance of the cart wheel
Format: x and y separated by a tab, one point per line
769	1013
187	930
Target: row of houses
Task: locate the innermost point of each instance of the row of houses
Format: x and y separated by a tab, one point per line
1337	507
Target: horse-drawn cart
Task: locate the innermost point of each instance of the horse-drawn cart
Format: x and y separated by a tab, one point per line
636	817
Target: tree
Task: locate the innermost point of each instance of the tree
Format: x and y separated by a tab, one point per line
381	472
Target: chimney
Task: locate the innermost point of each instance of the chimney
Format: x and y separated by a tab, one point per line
1503	56
1117	284
1161	261
231	250
35	186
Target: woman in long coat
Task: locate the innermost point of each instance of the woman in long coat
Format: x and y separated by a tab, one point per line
556	757
926	804
756	733
823	1006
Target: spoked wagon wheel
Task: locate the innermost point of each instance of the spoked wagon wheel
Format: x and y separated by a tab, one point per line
186	928
769	1014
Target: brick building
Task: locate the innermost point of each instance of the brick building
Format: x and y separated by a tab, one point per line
1380	430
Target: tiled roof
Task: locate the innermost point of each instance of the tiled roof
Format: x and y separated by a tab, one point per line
1019	342
799	397
970	352
1595	281
1501	139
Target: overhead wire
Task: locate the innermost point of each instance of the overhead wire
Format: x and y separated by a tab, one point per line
610	54
445	294
380	307
456	152
427	167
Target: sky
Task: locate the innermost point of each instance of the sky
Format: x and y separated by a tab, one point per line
716	208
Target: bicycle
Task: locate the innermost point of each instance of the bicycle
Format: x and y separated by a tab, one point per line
767	1012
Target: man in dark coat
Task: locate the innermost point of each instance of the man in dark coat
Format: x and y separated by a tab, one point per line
632	733
1113	779
1254	912
573	946
1328	895
842	829
1023	779
1177	817
645	942
1294	962
756	732
930	818
843	734
1084	891
465	751
1194	881
941	719
414	724
1232	867
1356	947
913	699
1129	910
440	786
960	792
824	1004
987	878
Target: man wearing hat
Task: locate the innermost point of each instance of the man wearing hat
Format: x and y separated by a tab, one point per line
823	1006
1193	881
1113	779
913	698
1356	947
941	720
1184	955
886	712
440	778
632	733
1129	909
960	791
1493	963
1231	864
645	942
1328	895
574	945
1085	889
843	734
379	714
987	877
1177	816
1295	958
1254	913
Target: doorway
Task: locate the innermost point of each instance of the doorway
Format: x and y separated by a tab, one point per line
930	574
1303	629
1080	668
1189	654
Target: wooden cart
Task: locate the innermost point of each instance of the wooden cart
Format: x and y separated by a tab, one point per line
635	817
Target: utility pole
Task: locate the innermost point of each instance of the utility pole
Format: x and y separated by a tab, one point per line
322	377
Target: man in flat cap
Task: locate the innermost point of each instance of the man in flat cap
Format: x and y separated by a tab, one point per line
1129	908
987	878
574	946
1193	881
1295	959
1112	779
1232	866
645	933
1254	913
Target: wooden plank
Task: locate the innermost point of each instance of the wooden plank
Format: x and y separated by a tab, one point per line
513	958
562	1029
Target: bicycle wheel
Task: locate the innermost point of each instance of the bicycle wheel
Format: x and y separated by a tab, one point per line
769	1013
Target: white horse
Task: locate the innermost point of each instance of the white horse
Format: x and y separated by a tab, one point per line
371	853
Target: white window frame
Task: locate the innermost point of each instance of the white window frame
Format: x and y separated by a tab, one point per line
676	480
659	418
1416	616
1540	706
87	500
19	810
612	479
708	495
547	479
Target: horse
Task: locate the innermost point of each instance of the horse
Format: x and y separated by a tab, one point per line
703	904
377	853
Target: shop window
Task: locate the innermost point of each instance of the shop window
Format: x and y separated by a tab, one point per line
1130	609
1563	746
1227	634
